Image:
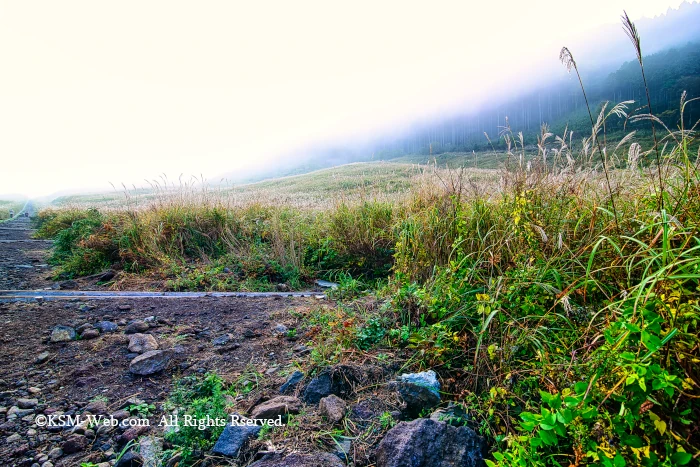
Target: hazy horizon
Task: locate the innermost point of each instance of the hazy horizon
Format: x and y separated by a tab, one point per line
99	93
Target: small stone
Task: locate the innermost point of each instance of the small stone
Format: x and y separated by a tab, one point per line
120	414
272	409
233	438
130	459
42	357
318	388
96	407
292	381
34	390
62	334
91	333
279	329
106	276
124	307
55	453
68	285
106	326
75	443
332	407
150	362
283	288
132	433
420	391
13	438
222	340
27	403
140	343
137	326
47	464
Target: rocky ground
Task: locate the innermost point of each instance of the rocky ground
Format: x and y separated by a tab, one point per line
116	357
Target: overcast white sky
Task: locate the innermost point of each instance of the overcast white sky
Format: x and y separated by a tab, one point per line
96	91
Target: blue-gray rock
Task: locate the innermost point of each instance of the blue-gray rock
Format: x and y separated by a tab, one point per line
343	448
318	388
150	362
292	381
427	379
107	326
62	334
234	438
427	443
130	459
419	390
222	340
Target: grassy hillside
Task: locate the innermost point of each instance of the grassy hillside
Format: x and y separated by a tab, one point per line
317	189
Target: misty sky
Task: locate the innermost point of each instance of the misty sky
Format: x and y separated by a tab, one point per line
94	91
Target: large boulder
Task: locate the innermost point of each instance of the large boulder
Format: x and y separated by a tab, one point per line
316	459
234	437
150	362
140	343
427	443
281	405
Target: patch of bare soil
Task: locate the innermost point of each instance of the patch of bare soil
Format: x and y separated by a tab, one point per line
66	376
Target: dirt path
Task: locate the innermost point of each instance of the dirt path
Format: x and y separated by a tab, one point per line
229	335
22	259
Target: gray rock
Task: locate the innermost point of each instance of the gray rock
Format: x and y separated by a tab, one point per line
106	276
222	340
136	326
343	448
130	459
68	285
316	459
96	407
75	443
292	381
150	362
27	403
280	405
279	329
55	453
151	450
16	412
234	438
318	388
42	357
13	438
140	343
107	326
332	407
427	443
283	288
62	334
90	333
420	391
